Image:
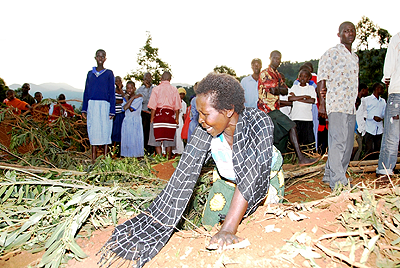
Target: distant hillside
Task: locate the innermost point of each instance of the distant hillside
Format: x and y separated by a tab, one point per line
53	90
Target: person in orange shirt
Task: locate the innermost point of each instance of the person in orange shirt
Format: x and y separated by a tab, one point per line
16	103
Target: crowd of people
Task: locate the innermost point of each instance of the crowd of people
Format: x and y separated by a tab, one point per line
244	127
33	105
133	120
240	126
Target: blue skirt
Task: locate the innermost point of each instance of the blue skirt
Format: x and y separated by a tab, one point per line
99	124
117	125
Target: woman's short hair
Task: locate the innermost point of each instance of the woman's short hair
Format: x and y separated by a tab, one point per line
225	91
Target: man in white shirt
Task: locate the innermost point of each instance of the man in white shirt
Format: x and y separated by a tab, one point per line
390	138
360	122
250	84
373	108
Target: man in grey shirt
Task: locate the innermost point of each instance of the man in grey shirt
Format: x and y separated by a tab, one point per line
145	90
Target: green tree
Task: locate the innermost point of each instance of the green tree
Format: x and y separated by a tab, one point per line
223	69
365	29
371	65
384	37
149	61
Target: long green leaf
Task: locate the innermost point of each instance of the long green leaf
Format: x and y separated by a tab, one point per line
32	220
3	189
56	234
8	193
76	249
21	239
20	194
114	215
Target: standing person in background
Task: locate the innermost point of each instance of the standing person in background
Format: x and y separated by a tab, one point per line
250	84
25	96
303	97
119	114
373	107
338	73
38	97
62	108
164	104
132	132
18	104
145	90
194	115
99	104
390	138
313	75
270	86
179	142
40	112
312	82
360	121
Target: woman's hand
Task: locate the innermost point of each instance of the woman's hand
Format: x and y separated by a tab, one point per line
224	238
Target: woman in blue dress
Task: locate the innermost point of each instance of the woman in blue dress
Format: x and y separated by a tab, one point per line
132	142
98	105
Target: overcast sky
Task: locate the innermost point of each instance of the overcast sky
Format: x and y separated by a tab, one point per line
55	41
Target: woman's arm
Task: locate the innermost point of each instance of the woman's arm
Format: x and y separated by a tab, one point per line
129	102
227	235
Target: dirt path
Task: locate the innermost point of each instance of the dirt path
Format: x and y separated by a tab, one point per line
187	248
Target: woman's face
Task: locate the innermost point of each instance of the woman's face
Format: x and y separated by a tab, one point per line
130	88
118	83
213	121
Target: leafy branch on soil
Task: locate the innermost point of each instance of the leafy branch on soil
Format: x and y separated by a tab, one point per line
61	143
46	213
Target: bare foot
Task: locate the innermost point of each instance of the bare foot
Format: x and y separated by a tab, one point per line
307	161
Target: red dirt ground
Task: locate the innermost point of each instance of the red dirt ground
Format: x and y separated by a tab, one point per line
188	248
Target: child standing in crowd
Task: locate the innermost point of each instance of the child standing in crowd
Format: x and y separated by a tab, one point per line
303	97
179	142
132	141
99	104
312	82
119	114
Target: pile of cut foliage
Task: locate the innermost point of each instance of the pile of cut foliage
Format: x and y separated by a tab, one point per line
47	210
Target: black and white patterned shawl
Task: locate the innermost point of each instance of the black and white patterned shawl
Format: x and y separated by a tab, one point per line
142	237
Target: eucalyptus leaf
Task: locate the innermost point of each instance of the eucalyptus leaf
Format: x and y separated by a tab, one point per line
32	220
21	239
8	193
114	215
74	247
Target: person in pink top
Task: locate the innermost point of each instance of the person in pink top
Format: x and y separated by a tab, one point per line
164	103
